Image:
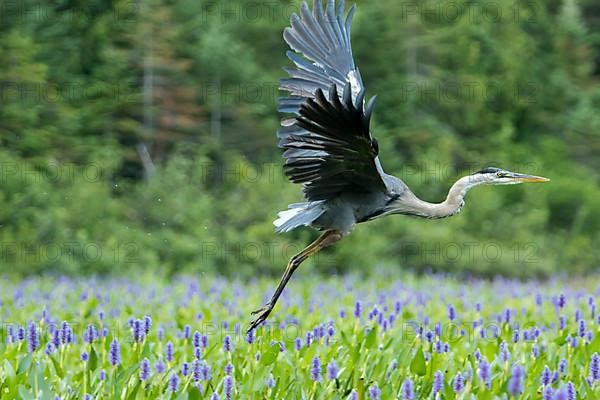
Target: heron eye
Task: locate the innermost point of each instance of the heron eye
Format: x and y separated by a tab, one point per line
499	174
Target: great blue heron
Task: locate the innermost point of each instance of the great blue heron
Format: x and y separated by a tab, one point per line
329	148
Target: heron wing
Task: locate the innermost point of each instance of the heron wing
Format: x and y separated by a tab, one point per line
323	55
329	148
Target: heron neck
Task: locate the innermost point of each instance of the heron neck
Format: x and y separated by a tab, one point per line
451	205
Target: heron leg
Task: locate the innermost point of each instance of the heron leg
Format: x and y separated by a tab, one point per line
328	238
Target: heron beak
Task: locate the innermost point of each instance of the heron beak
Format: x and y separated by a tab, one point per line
523	178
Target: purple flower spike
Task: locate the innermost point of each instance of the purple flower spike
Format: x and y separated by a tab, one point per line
374	392
250	338
229	369
408	390
169	352
147	324
332	370
159	367
270	381
515	383
562	367
309	337
65	333
573	341
144	369
459	383
547	394
33	340
173	383
581	328
438	382
508	315
228	387
546	377
49	348
114	353
21	334
206	372
438	329
90	334
451	312
197	352
504	352
315	369
561	394
357	309
137	331
429	336
571	392
515	337
562	301
485	373
595	367
227	343
197	370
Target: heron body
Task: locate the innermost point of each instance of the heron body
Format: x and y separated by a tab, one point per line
329	148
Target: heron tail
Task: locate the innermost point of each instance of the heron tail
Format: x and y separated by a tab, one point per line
298	214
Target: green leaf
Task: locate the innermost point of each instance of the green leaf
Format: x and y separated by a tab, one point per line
93	361
270	355
371	339
24	364
57	368
418	365
24	394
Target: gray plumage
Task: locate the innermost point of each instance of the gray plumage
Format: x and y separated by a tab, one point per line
328	146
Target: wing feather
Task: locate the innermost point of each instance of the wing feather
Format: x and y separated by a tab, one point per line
328	145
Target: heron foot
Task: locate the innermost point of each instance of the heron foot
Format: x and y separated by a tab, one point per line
260	316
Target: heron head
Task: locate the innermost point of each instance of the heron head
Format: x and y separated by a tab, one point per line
498	176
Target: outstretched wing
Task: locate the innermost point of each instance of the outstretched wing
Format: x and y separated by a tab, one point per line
329	148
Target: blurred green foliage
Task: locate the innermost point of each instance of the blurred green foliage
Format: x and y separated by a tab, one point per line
141	135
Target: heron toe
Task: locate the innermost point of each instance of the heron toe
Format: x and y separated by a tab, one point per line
261	316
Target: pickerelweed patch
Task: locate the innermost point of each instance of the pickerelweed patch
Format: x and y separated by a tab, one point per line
410	338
